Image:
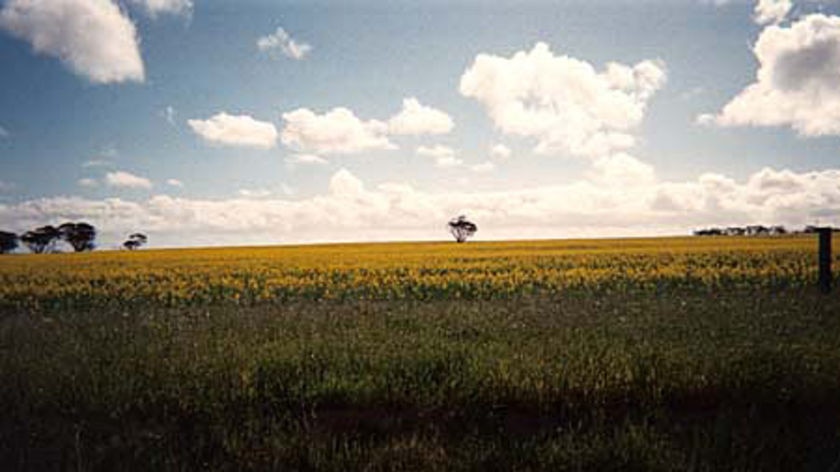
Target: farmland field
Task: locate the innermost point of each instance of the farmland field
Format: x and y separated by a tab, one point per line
634	354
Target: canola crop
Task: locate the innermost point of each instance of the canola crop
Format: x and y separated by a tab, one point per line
403	271
634	354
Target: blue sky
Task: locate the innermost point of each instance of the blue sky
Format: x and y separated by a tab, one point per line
261	122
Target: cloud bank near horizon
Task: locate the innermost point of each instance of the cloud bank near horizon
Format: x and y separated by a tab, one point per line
620	197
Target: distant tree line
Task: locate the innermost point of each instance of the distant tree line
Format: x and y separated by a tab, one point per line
756	230
80	236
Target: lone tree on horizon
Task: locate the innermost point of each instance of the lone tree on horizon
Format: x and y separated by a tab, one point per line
135	241
8	242
462	229
79	235
41	240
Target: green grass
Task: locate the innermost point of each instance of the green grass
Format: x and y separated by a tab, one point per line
680	380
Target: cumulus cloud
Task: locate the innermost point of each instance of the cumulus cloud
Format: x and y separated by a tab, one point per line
340	131
416	119
797	83
444	156
500	152
174	183
236	130
622	170
173	7
484	167
124	179
352	210
337	131
564	103
770	195
772	11
94	38
281	42
345	184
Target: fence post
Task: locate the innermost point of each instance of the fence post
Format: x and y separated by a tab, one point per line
825	259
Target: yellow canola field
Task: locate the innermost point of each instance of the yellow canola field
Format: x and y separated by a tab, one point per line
394	271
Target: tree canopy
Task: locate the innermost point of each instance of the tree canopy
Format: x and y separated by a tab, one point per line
8	242
79	235
41	240
462	229
135	241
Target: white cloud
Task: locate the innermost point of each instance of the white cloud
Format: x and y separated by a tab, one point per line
563	102
280	41
345	184
174	183
173	7
306	159
87	182
338	131
4	133
350	210
448	162
254	193
622	170
484	167
769	196
436	151
772	11
126	180
500	152
416	119
797	83
444	156
94	38
236	130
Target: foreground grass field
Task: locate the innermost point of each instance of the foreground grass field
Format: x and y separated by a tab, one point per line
656	354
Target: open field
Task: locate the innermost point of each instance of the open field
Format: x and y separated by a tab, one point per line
640	354
429	271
